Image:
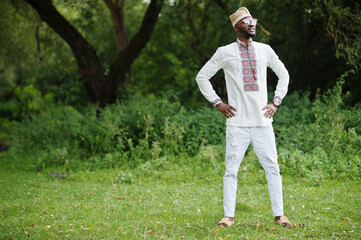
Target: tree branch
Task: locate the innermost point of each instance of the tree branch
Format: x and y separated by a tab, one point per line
223	6
38	39
117	12
198	33
190	19
126	57
263	29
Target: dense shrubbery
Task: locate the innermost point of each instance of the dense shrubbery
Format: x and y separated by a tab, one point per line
315	139
327	142
130	133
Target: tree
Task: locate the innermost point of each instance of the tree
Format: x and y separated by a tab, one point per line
101	86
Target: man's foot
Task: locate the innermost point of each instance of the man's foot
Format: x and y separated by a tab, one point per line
283	220
226	221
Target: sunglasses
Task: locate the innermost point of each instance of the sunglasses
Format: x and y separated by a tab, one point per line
249	21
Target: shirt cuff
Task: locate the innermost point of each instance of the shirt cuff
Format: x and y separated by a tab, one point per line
217	101
277	98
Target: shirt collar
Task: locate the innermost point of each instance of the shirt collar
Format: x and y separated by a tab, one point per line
242	44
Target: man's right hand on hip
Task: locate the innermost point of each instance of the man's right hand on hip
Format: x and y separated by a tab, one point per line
226	110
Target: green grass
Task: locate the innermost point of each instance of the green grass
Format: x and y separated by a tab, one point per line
172	203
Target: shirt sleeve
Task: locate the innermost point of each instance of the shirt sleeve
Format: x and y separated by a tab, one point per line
280	70
206	73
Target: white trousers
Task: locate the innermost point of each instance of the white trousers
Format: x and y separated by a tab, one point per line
264	145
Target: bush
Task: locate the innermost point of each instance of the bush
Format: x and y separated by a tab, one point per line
328	145
315	140
126	134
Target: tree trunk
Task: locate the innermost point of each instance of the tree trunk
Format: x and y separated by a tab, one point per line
101	88
116	9
89	65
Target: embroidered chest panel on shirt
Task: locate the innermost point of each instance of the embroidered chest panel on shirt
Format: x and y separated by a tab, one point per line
249	69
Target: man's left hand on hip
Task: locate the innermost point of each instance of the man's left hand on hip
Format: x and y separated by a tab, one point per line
270	110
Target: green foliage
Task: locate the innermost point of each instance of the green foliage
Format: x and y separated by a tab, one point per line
343	24
115	136
324	146
124	178
26	100
316	140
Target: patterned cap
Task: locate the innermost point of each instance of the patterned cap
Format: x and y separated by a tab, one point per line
239	15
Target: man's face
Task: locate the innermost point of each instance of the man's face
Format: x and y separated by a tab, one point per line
246	27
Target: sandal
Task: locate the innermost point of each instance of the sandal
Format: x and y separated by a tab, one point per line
284	221
226	221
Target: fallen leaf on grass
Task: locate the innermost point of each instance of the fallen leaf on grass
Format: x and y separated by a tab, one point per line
32	225
259	225
120	198
300	225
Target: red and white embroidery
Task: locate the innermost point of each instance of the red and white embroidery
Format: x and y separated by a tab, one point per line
249	69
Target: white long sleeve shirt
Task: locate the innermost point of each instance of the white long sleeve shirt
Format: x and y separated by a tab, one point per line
248	103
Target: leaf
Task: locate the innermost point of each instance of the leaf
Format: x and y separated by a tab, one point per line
300	225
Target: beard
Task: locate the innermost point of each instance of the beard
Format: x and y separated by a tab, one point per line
249	35
246	34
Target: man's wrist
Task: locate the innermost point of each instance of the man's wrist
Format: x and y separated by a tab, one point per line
277	101
275	105
217	101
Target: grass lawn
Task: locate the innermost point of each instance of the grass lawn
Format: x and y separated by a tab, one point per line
170	204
